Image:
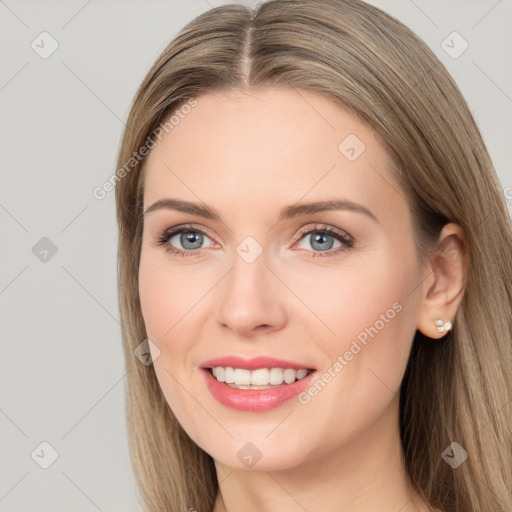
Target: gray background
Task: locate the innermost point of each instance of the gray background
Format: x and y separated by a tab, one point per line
62	369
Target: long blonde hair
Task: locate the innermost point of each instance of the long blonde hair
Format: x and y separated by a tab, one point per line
457	390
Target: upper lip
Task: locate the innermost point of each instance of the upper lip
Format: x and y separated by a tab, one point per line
254	363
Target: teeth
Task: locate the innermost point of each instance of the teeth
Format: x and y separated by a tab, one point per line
220	374
248	379
260	377
229	376
276	376
301	374
242	377
289	375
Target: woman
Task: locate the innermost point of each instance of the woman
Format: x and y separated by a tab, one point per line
314	270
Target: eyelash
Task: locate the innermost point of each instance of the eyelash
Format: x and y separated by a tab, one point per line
348	241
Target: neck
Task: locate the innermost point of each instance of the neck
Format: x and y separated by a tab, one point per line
365	474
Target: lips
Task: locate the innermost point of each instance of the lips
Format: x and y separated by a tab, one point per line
253	398
254	363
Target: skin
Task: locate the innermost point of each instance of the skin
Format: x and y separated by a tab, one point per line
247	155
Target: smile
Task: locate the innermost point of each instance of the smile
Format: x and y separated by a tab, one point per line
262	378
256	385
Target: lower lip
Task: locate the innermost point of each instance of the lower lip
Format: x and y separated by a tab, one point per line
255	400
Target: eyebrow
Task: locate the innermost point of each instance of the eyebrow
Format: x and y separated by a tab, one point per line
288	212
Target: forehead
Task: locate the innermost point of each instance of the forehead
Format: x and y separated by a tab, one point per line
251	150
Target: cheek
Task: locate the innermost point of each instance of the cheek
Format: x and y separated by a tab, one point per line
154	301
163	299
170	299
351	297
165	296
366	320
374	323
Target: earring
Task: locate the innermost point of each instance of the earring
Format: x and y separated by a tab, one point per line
442	326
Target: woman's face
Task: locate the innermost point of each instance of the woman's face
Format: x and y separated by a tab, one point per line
256	273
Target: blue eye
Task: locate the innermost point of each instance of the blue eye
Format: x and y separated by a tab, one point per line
191	240
323	241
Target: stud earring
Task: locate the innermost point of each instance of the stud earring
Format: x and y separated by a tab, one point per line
442	326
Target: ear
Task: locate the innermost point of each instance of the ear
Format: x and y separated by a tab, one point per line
443	288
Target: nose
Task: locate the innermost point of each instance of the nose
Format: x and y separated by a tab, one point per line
251	299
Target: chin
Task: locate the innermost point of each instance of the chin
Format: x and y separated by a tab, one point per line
270	461
255	453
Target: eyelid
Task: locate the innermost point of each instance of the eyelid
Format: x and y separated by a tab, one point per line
331	230
179	228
